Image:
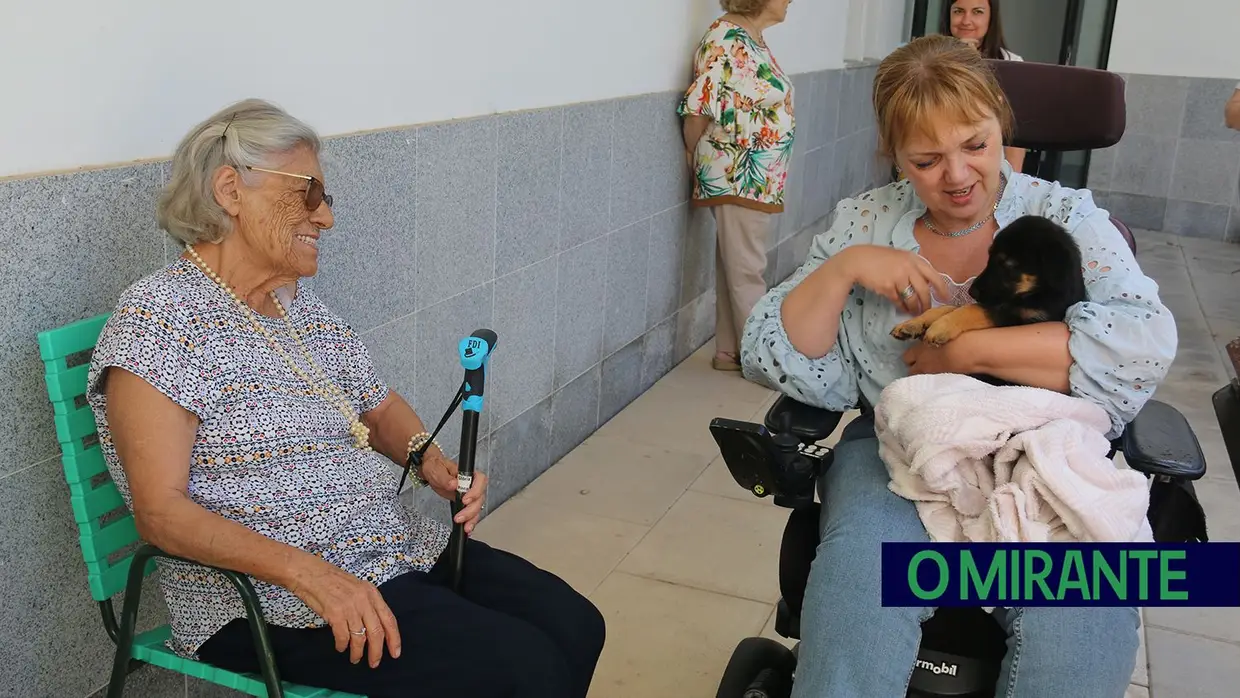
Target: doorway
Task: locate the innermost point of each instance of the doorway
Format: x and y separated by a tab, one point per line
1064	32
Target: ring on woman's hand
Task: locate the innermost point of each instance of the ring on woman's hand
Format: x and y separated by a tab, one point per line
907	293
359	632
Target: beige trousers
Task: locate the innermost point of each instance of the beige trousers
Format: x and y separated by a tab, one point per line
740	270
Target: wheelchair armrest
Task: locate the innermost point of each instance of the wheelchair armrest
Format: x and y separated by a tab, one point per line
1159	441
1227	411
807	423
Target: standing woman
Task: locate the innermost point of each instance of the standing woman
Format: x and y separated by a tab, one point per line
977	23
738	130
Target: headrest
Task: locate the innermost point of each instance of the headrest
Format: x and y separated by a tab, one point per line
1058	107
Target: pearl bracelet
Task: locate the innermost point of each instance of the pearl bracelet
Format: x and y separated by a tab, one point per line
415	442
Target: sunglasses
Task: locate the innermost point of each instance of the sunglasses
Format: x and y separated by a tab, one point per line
314	194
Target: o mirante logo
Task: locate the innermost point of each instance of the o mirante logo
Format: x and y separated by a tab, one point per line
1061	574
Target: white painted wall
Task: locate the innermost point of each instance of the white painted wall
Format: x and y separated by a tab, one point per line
887	26
93	82
1192	38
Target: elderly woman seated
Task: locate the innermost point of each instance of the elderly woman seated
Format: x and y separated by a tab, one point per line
247	429
824	338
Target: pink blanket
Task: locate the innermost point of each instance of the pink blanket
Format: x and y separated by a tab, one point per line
1007	464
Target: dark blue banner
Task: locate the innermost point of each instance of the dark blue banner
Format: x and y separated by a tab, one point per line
1061	574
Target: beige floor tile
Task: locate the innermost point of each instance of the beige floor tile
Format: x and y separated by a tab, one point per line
1152	254
1218	295
679	417
1137	691
1141	671
696	376
668	640
1184	665
1218	460
580	548
769	631
1221	501
618	478
714	543
1217	623
717	480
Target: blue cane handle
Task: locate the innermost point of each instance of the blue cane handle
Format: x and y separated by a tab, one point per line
475	351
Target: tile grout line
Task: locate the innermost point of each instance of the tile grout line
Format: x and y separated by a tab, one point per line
1189	633
688	488
602	339
555	285
404	316
694	587
494	281
36	464
1218	352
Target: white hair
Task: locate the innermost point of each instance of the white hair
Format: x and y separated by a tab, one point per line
246	134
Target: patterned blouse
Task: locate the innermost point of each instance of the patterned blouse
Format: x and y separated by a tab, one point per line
1122	339
269	453
744	155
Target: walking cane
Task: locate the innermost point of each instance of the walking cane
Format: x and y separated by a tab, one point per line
475	352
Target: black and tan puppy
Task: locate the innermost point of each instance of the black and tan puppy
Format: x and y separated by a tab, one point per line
1034	274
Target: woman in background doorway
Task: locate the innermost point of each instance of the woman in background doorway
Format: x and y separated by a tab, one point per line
977	23
738	131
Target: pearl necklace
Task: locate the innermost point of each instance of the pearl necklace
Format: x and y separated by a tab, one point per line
331	393
925	218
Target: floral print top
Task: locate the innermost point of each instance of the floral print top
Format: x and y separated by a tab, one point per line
743	156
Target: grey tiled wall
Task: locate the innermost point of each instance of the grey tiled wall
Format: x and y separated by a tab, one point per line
1177	168
567	230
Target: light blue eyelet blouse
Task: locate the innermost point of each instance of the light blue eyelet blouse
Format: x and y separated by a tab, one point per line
1122	342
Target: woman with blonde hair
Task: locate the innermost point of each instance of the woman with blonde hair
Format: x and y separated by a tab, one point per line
824	338
738	131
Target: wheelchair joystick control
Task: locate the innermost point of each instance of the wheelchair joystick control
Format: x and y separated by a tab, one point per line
770	464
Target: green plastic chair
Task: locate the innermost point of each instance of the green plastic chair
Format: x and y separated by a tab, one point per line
107	533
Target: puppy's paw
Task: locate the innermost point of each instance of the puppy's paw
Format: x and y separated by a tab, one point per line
909	329
941	333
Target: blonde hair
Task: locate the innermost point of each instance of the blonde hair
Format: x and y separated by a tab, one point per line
743	7
935	76
246	134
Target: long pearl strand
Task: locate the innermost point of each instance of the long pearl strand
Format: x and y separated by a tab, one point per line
327	390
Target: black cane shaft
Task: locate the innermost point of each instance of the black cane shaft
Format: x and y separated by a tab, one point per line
465	466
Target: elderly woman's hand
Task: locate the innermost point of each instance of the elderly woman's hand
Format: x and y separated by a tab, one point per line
359	617
900	276
440	473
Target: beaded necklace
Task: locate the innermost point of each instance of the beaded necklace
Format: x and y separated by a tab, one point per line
328	390
925	218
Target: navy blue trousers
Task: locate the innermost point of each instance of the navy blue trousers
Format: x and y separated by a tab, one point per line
514	631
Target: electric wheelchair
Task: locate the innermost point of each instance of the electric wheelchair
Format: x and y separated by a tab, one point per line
1057	108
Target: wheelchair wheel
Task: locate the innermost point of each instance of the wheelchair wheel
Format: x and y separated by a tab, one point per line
759	668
